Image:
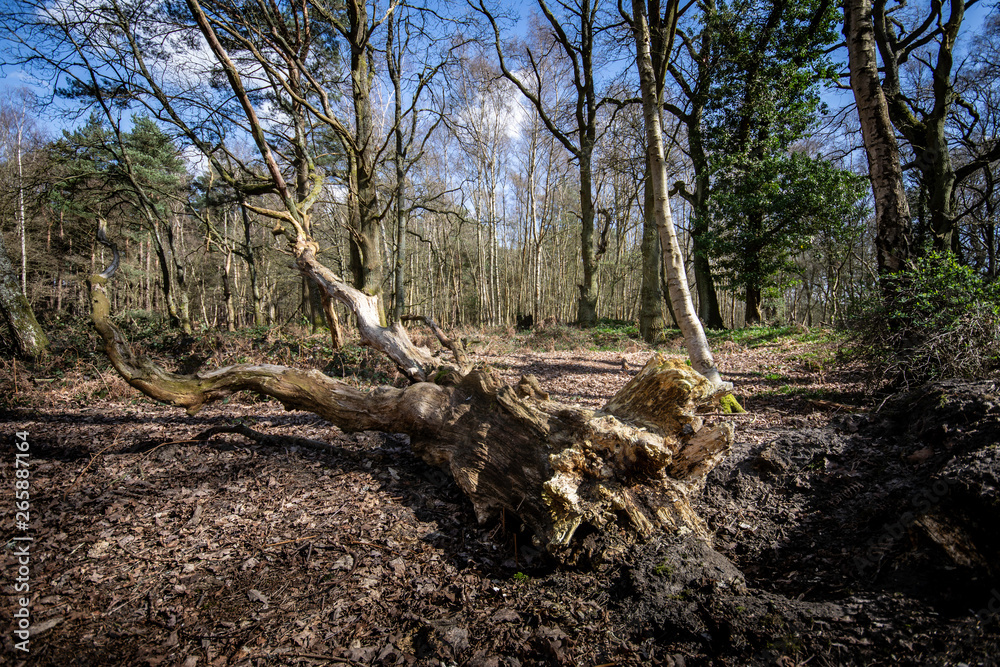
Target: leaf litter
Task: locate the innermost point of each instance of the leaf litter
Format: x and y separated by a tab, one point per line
152	549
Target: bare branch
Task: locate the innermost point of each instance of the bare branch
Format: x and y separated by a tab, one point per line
455	346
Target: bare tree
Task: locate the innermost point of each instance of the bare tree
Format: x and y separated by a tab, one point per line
543	175
409	32
626	472
673	259
481	120
977	195
694	83
19	118
917	47
575	35
892	211
29	338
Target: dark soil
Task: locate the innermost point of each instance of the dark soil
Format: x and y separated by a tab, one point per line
844	536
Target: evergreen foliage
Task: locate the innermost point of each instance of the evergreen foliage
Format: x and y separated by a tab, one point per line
770	199
773	207
100	175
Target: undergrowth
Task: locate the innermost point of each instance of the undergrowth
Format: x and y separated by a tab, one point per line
942	322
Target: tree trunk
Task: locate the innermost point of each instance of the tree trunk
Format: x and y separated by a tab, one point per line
175	239
29	339
399	277
187	326
313	307
149	276
227	291
607	478
333	322
587	483
579	50
366	239
586	308
751	314
259	318
169	296
21	228
924	127
680	294
651	321
708	299
892	212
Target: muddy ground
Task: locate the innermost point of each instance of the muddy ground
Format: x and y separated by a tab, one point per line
845	534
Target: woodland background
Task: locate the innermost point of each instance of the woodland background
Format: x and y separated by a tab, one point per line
478	190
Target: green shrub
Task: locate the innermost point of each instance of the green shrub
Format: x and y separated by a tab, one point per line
944	322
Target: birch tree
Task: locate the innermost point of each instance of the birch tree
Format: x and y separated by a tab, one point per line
574	33
29	338
673	259
18	117
918	48
587	484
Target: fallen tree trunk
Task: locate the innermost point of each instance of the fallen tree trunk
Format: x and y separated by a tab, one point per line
586	483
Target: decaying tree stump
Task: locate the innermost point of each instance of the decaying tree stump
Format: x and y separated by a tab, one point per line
586	483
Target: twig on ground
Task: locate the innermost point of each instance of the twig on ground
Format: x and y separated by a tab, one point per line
297	539
372	544
101	375
164	444
743	415
272	440
328	658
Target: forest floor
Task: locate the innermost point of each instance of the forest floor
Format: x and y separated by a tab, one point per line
150	548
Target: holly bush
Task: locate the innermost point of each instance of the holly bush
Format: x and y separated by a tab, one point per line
941	321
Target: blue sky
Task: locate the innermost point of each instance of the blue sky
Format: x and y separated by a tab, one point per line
13	77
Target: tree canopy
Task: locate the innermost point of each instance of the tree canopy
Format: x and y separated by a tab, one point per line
357	124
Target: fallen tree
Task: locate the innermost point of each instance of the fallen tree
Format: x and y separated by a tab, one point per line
586	483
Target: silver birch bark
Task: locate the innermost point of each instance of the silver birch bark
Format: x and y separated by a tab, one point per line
892	211
673	260
20	208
